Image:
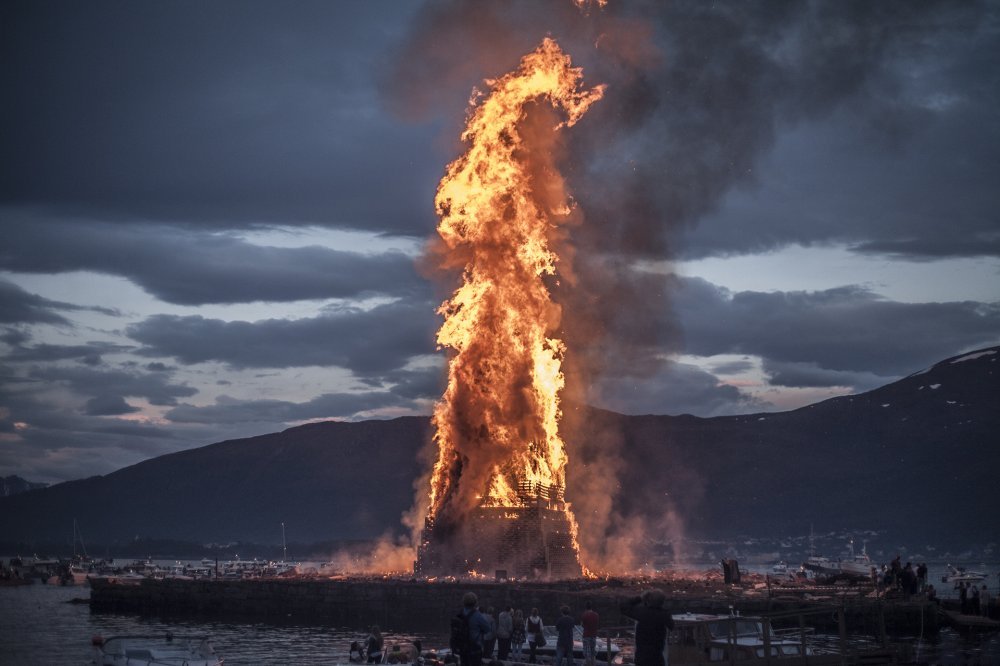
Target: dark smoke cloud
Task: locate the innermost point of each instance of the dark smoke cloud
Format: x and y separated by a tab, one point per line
696	95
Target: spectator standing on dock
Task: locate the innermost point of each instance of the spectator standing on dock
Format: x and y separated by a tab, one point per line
922	575
533	628
963	598
467	631
564	643
984	601
590	621
974	605
505	628
652	622
517	635
374	644
490	639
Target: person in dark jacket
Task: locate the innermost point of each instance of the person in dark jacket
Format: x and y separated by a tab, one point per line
479	628
652	622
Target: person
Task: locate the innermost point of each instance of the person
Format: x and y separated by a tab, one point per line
984	601
590	621
473	627
490	639
973	599
922	576
932	594
517	636
564	643
963	598
533	628
505	627
652	622
373	646
357	647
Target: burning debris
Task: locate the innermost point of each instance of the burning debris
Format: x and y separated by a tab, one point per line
496	495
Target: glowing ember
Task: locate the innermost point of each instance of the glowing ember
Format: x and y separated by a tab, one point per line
502	207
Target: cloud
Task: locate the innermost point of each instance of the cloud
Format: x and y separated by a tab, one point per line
18	306
678	388
190	267
330	405
89	353
782	373
267	115
108	405
368	342
845	330
101	383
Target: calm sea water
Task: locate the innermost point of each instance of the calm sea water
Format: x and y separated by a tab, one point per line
40	625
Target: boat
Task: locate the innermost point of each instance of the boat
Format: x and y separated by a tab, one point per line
162	650
957	575
859	564
699	638
548	653
704	638
780	568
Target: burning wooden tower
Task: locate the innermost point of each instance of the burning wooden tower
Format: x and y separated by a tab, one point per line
531	540
496	492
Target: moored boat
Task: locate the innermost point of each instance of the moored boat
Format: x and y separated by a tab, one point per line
163	650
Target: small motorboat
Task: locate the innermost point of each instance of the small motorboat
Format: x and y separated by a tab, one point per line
957	575
163	650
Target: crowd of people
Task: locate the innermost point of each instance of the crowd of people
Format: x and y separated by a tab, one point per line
477	633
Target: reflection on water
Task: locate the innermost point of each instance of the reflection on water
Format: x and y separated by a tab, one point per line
39	626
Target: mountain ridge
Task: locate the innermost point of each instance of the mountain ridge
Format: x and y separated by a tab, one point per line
912	459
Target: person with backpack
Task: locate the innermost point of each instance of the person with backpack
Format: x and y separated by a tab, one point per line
536	637
468	628
517	636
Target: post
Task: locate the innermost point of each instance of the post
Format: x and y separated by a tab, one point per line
607	656
842	626
802	637
766	626
732	640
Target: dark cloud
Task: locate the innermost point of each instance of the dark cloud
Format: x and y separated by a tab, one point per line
329	405
188	267
92	382
368	342
678	388
264	115
733	367
847	330
90	353
782	373
108	405
19	306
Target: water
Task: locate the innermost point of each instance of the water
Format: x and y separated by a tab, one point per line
38	625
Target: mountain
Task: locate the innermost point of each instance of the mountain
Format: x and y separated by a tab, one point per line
915	459
12	485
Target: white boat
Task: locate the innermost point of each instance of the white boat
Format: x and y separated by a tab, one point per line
161	650
857	565
548	652
703	638
957	575
780	568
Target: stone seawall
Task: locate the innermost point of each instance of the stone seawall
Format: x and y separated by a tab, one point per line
402	605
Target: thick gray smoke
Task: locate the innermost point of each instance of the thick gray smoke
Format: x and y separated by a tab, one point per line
696	94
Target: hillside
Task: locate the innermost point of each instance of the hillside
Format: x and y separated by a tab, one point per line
915	459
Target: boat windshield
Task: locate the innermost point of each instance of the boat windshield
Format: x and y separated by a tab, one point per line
724	628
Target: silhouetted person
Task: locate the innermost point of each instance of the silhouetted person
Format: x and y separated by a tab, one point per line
652	622
533	628
590	621
963	597
374	644
505	629
564	642
469	628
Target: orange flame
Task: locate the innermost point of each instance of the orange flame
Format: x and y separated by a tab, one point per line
501	205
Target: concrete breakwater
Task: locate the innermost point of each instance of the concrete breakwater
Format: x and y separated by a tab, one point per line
409	605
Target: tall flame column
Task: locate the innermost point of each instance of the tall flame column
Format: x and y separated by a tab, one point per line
501	206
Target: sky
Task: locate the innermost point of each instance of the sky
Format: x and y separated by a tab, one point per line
214	214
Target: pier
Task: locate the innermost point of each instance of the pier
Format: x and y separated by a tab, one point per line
417	605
